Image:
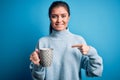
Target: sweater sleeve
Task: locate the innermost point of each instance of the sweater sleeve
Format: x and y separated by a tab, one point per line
38	72
92	63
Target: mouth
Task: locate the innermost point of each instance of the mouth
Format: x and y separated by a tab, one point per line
59	24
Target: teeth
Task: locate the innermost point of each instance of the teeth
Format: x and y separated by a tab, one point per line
59	24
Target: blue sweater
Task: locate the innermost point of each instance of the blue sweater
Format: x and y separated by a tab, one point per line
67	61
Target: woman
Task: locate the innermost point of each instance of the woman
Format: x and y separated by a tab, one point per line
71	53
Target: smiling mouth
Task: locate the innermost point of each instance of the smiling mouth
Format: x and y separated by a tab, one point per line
59	24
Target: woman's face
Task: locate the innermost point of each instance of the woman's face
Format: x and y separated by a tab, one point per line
59	18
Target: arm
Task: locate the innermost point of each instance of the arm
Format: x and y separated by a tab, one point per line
37	71
92	63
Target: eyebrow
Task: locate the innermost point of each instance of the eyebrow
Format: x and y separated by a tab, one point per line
57	14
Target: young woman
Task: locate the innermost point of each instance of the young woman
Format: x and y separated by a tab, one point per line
71	53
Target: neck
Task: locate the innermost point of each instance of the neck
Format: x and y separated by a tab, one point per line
51	29
60	34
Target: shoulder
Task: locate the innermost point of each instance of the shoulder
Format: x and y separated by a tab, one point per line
43	42
44	39
78	37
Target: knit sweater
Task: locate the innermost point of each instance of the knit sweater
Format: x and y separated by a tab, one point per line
67	61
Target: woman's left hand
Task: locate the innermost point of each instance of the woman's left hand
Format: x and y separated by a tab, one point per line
82	47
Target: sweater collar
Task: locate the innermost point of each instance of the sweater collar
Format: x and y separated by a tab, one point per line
61	34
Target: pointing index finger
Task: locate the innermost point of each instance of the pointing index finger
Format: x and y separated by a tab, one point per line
77	45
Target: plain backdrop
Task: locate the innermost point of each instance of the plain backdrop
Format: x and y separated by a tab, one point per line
23	22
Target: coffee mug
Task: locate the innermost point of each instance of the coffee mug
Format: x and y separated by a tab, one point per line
46	56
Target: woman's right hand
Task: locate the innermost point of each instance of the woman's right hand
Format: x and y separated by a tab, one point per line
35	58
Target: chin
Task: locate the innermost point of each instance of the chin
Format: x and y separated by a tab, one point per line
59	29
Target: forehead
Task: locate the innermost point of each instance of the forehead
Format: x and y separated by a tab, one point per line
59	10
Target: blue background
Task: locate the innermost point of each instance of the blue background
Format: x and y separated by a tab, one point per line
23	22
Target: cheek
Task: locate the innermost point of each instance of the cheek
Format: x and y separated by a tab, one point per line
66	21
53	21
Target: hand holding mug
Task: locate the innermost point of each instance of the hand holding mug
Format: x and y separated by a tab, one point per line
42	57
34	57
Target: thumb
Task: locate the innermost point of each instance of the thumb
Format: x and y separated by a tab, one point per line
36	50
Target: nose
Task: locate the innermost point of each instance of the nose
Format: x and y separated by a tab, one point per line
59	19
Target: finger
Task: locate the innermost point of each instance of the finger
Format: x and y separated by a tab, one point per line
36	50
35	57
31	57
84	52
80	48
77	45
37	62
